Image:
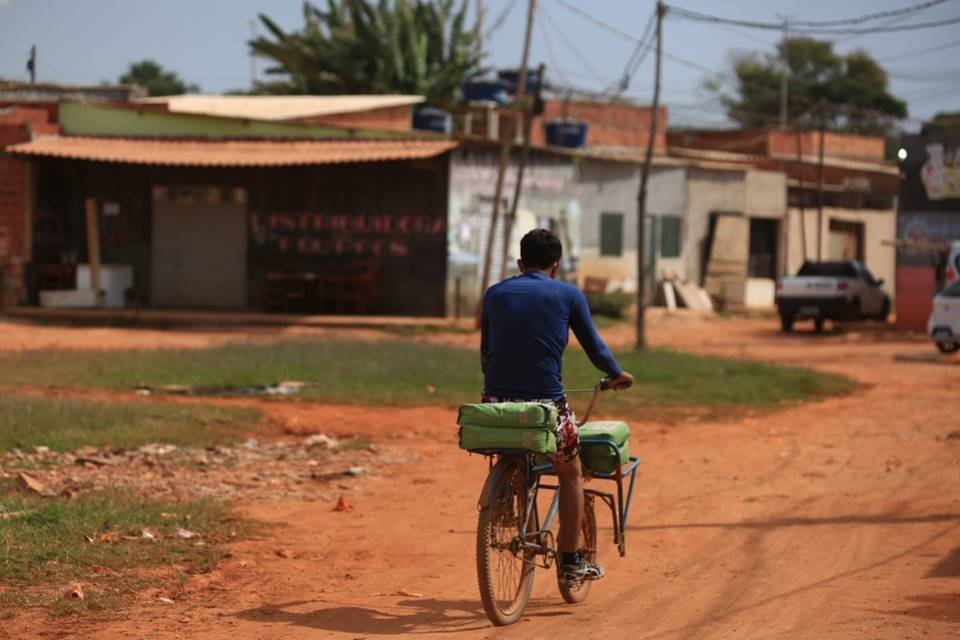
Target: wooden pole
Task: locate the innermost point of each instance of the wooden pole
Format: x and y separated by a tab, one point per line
823	128
803	222
784	86
505	143
511	218
93	247
642	195
478	30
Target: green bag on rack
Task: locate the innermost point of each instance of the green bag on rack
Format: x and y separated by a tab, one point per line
508	425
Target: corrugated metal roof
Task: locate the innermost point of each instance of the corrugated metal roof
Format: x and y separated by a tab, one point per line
230	153
279	107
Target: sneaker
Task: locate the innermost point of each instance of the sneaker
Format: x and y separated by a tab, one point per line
581	570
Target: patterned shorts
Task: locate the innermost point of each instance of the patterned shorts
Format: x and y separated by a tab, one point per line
568	439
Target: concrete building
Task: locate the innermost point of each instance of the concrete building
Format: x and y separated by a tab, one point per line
855	218
195	211
712	223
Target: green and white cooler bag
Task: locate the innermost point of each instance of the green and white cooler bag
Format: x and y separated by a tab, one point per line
508	425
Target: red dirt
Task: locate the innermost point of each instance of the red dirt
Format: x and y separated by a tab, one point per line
839	519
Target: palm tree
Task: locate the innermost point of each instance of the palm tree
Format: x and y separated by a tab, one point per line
417	47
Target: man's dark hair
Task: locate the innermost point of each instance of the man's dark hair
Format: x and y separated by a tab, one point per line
540	249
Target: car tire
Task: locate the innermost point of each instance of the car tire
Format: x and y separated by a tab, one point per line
948	347
884	311
786	323
818	325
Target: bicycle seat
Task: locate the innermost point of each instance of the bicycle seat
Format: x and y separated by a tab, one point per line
603	443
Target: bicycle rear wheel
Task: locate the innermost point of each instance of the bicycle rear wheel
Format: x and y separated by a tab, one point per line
588	543
504	571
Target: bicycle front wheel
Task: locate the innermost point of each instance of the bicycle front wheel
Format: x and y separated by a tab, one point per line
504	570
578	592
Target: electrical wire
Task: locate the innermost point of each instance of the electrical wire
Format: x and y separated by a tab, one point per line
636	58
805	30
551	54
920	52
597	21
582	58
870	16
499	21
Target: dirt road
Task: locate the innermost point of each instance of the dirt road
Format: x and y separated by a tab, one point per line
832	520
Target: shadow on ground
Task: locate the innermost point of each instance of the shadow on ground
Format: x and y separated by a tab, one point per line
414	616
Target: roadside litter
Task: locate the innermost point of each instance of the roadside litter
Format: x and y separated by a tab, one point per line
284	388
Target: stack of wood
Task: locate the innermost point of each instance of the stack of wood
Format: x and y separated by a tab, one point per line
680	294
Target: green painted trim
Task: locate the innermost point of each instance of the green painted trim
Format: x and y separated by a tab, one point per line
82	119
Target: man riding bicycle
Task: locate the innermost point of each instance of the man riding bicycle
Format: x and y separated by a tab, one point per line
525	325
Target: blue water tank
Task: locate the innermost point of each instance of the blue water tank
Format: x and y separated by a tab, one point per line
512	77
566	133
433	119
485	91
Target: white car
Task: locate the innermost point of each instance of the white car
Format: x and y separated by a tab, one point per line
831	291
944	324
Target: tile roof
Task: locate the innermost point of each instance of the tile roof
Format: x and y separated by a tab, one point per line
279	107
230	153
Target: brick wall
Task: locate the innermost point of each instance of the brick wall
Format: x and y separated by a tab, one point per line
13	204
611	124
770	142
17	124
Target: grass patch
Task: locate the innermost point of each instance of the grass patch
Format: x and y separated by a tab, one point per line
675	385
57	541
64	425
399	372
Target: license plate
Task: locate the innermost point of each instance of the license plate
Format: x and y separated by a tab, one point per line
809	311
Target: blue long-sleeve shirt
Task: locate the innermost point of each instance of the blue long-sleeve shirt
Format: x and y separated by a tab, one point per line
524	328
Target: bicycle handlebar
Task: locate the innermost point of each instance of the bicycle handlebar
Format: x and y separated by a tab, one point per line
603	385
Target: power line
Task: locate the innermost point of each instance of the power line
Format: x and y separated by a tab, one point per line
870	16
573	47
499	21
551	54
807	30
639	53
920	52
597	21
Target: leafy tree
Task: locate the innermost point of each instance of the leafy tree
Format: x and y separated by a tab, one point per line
418	47
849	90
157	82
944	122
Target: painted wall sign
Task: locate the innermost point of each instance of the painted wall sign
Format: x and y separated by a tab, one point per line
940	172
320	234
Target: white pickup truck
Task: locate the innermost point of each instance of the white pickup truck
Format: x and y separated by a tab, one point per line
831	291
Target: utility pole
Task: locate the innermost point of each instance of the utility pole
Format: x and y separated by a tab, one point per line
823	128
803	195
506	141
32	64
511	218
784	85
642	195
253	56
478	30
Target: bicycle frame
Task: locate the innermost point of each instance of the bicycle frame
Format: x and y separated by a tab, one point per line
533	481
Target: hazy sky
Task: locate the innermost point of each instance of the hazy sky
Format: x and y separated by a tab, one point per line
88	41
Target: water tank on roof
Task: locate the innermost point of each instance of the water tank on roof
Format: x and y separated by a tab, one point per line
480	90
433	119
512	77
566	133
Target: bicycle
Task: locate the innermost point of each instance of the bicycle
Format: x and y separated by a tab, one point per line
512	542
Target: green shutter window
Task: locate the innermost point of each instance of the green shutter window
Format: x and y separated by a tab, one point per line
670	240
611	234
